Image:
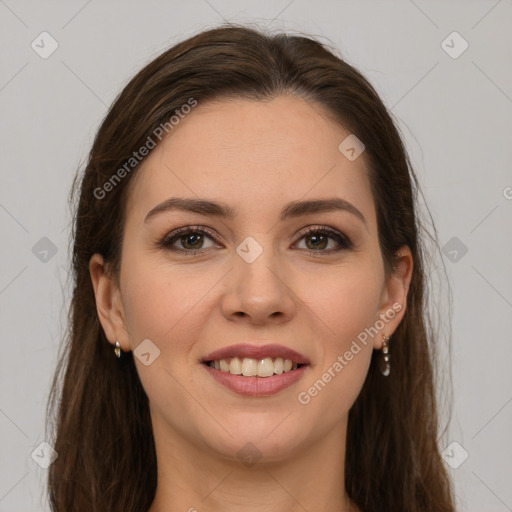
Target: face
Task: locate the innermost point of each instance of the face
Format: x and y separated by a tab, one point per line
193	283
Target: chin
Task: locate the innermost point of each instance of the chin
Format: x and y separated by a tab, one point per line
256	437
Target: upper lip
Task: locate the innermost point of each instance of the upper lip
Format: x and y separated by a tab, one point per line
256	352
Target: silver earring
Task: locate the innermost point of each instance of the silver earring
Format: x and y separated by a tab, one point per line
117	350
385	367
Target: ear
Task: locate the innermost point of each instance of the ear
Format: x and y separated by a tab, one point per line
394	295
108	302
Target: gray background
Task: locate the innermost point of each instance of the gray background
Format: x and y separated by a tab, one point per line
454	114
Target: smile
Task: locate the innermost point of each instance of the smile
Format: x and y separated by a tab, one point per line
249	367
256	370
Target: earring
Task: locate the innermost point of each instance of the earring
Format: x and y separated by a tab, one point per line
117	350
385	367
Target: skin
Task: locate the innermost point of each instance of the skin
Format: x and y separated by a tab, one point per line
256	157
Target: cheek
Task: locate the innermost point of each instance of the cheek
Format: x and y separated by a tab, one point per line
348	300
348	308
162	302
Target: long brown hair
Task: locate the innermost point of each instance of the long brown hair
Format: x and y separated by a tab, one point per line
106	453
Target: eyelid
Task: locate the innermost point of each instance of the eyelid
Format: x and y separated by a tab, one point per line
343	240
175	233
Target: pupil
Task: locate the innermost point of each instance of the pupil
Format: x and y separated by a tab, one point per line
316	237
190	237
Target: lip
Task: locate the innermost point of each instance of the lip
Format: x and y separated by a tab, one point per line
256	352
256	386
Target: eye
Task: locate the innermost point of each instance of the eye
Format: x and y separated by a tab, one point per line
191	239
320	236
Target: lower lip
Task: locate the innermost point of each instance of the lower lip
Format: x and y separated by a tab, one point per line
256	386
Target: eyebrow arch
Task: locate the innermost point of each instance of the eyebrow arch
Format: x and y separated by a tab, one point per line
291	210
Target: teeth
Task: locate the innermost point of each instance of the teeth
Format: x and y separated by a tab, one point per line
266	367
249	367
235	366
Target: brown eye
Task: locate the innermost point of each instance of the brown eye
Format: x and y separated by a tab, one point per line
190	240
317	240
193	240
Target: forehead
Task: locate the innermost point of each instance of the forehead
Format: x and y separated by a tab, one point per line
252	154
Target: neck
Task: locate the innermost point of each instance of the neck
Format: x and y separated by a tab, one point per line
190	479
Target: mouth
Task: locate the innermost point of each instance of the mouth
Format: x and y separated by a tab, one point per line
253	370
250	367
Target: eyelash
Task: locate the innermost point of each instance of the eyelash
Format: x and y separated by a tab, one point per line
169	239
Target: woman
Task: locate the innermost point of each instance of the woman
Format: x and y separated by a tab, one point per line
247	327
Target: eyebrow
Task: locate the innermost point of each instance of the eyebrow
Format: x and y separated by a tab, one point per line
291	210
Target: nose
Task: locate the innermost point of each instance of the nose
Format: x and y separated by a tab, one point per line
260	291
